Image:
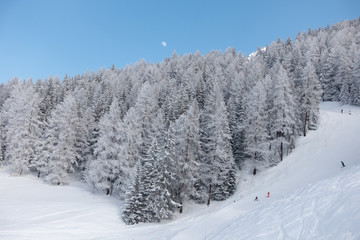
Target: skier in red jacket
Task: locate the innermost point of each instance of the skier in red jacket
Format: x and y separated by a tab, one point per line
268	194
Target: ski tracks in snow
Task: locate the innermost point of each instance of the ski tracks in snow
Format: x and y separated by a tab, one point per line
311	213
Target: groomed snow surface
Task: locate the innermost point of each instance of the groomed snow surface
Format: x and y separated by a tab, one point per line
311	197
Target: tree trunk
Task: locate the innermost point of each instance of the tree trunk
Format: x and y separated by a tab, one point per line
281	151
305	122
181	208
209	195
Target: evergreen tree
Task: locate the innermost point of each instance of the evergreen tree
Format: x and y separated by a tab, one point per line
134	204
345	76
48	98
85	127
90	138
187	150
170	169
108	170
237	117
257	146
23	127
146	108
149	199
133	137
61	138
327	77
311	97
217	166
281	115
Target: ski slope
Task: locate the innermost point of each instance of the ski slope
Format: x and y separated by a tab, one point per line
311	197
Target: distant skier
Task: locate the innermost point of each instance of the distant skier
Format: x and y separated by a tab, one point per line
342	110
343	164
254	172
268	194
256	198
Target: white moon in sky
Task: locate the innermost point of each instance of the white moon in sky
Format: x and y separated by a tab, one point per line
163	44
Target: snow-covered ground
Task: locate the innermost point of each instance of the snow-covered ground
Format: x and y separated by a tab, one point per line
311	197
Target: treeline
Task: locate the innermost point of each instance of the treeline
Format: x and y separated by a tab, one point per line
156	135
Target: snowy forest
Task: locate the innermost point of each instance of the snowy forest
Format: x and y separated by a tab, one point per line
156	135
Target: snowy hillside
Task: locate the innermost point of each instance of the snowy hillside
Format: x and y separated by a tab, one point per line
311	197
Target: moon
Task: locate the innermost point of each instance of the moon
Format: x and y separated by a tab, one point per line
163	43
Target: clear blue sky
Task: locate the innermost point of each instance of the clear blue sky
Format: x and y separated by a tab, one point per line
39	38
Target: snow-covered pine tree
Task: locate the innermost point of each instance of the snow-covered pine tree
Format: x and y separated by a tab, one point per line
134	204
186	131
108	169
336	65
170	168
237	117
281	115
217	164
149	191
166	180
84	127
23	127
257	145
61	137
146	109
48	97
345	73
90	138
310	100
327	76
133	138
42	154
149	199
